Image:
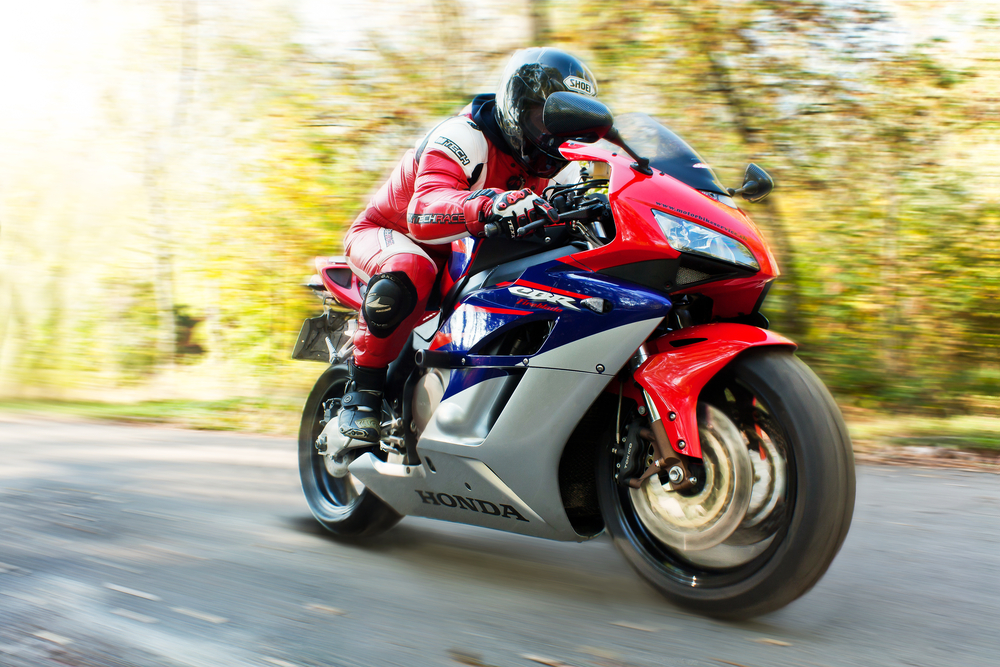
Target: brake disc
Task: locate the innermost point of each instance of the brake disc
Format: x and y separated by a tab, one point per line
770	483
701	519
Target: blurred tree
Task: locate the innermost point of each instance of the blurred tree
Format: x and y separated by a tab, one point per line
165	124
539	17
254	152
853	123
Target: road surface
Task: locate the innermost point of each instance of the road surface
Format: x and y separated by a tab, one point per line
149	547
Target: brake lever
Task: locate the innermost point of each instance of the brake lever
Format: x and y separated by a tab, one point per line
578	214
581	213
530	227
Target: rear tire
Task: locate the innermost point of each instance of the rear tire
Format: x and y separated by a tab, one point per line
337	502
816	505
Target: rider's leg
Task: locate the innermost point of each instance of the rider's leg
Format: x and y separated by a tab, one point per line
400	276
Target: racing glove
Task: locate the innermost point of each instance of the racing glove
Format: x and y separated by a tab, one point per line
514	209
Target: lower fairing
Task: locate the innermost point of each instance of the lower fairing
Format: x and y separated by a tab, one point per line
499	468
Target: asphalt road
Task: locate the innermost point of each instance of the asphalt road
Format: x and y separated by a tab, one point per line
154	547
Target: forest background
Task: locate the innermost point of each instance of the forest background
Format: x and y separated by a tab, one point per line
168	168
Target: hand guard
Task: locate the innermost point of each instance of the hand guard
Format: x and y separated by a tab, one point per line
517	208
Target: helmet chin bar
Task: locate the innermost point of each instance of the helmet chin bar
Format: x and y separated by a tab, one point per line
540	164
536	135
535	159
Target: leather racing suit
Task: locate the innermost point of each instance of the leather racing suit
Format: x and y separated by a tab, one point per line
435	195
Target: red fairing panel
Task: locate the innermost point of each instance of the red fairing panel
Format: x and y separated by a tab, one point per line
675	376
633	196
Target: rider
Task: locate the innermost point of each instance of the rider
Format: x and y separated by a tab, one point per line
480	167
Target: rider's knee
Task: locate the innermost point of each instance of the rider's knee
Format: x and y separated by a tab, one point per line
421	271
391	298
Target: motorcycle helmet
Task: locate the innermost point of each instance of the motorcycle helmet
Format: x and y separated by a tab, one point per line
529	78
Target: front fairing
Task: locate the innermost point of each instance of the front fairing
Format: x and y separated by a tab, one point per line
638	239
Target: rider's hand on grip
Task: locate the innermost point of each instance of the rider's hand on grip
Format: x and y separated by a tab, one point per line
517	208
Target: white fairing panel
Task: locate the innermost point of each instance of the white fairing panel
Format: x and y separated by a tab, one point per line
609	349
513	464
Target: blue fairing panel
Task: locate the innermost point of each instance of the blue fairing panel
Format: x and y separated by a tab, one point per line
550	291
462	252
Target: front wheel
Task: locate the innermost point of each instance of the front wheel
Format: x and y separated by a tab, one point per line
774	501
339	502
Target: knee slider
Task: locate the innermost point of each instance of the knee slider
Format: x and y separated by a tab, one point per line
390	299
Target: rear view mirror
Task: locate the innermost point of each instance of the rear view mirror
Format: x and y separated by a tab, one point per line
577	117
757	184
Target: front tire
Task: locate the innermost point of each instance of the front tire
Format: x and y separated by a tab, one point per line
767	563
341	504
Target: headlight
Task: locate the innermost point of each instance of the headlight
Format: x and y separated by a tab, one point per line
687	236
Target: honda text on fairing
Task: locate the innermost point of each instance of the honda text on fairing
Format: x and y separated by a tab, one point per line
611	372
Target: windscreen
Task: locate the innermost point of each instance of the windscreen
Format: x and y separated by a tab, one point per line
667	152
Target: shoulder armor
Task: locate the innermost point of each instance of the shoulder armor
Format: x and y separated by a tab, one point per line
462	141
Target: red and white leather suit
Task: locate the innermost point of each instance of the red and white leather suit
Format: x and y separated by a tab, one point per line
425	205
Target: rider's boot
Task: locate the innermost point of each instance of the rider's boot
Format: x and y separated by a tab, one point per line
361	408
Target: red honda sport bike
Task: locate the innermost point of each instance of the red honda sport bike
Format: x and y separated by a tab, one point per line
611	372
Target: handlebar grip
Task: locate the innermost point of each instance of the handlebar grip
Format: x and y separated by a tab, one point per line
491	229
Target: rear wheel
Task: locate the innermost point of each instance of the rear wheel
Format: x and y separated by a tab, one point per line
773	501
338	501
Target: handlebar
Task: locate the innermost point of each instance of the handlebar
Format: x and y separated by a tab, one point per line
492	229
585	213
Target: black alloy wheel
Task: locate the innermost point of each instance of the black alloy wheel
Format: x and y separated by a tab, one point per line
341	504
799	511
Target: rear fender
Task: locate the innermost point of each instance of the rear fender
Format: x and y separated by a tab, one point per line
340	280
681	364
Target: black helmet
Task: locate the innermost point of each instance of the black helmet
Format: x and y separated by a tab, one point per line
530	77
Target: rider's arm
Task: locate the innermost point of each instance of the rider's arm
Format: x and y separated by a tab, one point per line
449	162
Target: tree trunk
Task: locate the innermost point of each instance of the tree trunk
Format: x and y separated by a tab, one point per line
538	16
153	181
163	254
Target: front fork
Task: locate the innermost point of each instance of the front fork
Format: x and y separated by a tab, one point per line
632	444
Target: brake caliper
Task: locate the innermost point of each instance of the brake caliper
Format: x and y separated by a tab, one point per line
634	456
632	453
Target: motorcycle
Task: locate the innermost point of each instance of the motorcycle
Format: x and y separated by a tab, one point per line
611	372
